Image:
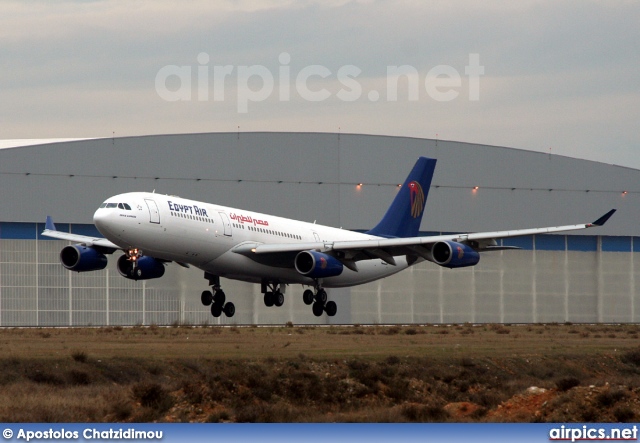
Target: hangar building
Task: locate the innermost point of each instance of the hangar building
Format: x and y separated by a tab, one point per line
343	180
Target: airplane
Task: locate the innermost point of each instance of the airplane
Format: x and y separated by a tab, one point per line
153	230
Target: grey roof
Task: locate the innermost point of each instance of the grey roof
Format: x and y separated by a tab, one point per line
313	176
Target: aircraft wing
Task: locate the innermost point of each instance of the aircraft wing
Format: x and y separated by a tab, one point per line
349	252
51	231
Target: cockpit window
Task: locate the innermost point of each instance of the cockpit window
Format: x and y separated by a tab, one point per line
112	205
104	205
120	206
127	207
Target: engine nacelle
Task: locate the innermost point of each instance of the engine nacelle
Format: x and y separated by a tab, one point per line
317	265
81	258
146	268
451	254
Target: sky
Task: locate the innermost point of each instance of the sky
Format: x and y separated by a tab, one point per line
549	76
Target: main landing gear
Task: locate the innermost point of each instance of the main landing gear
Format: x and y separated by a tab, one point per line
273	293
319	302
217	298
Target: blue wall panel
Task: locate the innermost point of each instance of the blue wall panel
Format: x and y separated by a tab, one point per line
18	231
584	243
616	244
546	242
89	230
32	231
525	242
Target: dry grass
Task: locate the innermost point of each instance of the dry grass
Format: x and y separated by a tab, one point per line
320	342
346	374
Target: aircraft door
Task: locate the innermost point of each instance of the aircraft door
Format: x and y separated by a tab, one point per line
226	223
154	214
316	236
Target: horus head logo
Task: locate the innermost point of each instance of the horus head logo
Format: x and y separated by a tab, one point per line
323	263
416	196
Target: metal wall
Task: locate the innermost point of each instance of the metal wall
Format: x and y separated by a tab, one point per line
556	278
588	277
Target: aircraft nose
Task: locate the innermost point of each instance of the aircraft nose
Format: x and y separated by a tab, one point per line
100	218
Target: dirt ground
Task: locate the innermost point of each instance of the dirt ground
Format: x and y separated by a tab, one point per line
411	373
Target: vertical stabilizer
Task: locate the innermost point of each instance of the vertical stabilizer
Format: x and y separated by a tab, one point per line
405	213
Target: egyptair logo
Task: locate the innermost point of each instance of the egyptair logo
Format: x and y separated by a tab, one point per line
416	196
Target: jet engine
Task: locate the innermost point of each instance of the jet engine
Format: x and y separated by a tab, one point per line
451	254
317	265
145	268
81	258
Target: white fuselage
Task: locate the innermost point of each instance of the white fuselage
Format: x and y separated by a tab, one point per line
204	235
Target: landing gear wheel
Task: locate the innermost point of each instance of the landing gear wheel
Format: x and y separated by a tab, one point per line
229	309
307	297
318	309
216	310
278	298
219	297
269	299
331	308
321	296
206	298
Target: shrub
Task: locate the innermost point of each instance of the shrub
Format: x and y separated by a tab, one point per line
424	413
218	417
392	360
45	377
392	330
193	392
79	356
152	395
589	415
261	413
467	362
79	377
632	357
608	398
566	383
119	406
624	414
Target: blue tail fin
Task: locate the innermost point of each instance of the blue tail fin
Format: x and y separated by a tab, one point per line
405	213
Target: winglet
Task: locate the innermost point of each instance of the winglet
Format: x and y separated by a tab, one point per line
602	220
49	224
